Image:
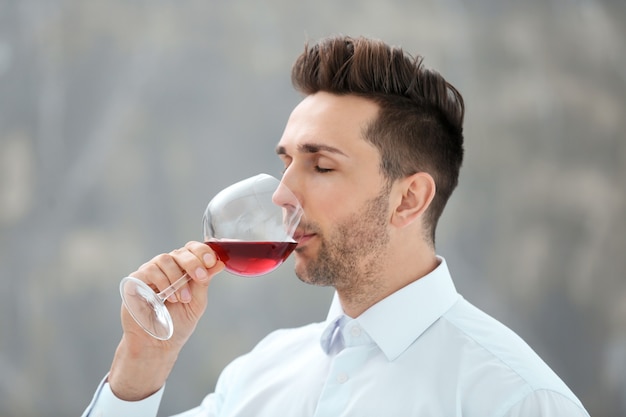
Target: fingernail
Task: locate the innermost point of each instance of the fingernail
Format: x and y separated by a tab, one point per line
201	274
185	295
209	260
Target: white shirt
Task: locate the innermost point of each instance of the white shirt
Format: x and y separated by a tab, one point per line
422	351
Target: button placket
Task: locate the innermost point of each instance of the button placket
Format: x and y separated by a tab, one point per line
345	366
342	377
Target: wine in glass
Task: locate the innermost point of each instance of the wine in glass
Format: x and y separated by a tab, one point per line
250	226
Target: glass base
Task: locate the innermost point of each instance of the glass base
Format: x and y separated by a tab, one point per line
145	306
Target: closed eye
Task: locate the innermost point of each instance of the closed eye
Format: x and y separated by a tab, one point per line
322	170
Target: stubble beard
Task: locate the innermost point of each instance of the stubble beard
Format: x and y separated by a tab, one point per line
350	258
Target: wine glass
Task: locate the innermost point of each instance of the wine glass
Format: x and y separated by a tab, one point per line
250	226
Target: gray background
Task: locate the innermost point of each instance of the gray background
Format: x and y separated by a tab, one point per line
119	119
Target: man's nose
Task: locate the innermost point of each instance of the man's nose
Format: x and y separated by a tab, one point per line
284	197
287	193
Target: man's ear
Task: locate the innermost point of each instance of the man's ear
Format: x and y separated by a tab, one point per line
418	191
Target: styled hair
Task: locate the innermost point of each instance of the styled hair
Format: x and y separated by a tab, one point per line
419	127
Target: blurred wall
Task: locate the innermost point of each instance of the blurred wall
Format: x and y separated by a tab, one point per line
120	119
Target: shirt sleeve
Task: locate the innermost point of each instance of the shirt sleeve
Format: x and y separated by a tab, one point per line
213	404
106	404
546	403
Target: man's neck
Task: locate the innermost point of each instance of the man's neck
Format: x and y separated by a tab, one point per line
364	292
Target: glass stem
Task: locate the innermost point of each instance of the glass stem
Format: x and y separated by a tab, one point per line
176	285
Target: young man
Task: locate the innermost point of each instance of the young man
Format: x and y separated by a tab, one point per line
373	153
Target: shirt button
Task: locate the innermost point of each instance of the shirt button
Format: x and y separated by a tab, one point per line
355	331
342	377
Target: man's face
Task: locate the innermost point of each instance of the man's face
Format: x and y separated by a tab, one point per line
335	173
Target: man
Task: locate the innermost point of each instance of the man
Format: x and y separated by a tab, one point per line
372	152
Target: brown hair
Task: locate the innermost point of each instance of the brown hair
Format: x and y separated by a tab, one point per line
419	127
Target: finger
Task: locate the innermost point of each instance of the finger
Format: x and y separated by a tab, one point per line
174	272
161	272
191	259
203	252
202	273
199	289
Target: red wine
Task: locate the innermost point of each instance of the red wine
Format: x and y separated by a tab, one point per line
251	258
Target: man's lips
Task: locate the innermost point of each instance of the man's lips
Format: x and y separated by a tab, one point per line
302	237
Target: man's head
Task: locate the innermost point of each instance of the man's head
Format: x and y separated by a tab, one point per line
419	126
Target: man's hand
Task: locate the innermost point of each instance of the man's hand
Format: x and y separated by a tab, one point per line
142	363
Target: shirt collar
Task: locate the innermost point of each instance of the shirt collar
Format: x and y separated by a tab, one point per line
395	322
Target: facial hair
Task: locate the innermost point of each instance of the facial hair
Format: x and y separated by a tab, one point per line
350	257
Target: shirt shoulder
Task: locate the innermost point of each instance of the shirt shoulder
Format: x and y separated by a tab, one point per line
287	338
278	347
495	355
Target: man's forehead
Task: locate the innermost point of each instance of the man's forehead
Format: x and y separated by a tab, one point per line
325	122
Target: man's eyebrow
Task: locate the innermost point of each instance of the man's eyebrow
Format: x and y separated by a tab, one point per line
280	150
311	148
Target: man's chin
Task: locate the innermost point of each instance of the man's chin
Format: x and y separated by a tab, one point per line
312	279
300	270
